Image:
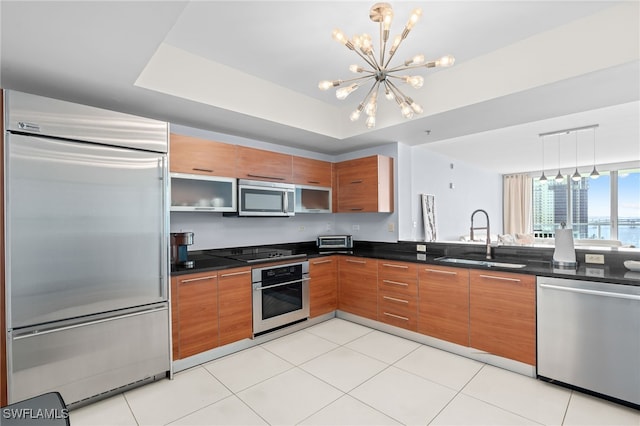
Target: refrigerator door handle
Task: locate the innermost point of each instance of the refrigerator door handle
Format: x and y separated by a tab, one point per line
164	231
35	333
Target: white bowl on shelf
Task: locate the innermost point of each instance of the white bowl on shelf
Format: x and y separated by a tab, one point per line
632	265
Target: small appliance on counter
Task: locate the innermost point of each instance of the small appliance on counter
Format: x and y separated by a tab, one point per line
564	255
334	242
179	254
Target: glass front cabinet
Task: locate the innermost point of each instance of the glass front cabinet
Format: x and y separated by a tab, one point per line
190	192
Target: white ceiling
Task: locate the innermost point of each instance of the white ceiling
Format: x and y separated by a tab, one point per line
251	69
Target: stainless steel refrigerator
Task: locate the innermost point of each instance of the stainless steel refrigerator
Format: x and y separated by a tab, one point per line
86	249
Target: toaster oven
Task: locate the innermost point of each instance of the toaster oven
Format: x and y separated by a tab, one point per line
335	242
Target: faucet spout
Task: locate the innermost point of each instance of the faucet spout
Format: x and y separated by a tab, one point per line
488	256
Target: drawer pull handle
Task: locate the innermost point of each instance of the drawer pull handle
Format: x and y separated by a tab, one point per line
190	280
362	262
234	274
393	299
396	316
202	170
441	272
357	181
266	177
313	181
493	277
320	262
356	209
391	265
395	283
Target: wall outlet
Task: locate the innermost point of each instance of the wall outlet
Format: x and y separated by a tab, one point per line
421	247
597	259
391	227
355	227
301	228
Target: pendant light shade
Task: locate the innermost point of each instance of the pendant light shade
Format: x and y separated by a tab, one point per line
576	175
543	178
594	173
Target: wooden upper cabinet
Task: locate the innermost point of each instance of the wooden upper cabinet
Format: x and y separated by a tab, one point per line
307	171
365	185
259	164
188	154
503	314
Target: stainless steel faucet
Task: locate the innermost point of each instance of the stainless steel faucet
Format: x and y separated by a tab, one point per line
487	228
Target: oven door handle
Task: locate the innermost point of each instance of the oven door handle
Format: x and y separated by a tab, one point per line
281	284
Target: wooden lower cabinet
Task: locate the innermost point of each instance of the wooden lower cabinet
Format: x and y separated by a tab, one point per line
503	314
444	303
358	286
196	323
323	287
235	305
398	294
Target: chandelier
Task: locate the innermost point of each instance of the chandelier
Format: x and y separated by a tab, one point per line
378	70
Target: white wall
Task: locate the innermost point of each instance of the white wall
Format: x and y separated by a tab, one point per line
473	188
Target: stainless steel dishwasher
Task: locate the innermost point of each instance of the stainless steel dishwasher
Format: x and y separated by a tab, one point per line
589	336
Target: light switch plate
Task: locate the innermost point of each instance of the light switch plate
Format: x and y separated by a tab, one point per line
421	247
597	259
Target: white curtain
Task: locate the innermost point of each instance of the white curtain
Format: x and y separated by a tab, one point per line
517	204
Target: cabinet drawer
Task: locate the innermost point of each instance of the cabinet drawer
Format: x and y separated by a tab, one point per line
398	310
398	277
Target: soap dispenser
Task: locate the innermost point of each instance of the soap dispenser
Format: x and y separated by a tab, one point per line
564	255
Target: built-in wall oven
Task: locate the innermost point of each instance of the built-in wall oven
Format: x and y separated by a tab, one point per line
280	295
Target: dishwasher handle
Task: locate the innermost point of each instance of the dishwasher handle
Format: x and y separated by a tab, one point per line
591	292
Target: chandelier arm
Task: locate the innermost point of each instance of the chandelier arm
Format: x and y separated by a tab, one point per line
393	51
383	44
396	91
373	64
364	77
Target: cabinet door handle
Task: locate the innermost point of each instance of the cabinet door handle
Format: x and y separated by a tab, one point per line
190	280
313	181
234	274
356	209
265	177
493	277
395	283
391	265
362	262
320	262
441	272
356	181
393	299
396	316
202	170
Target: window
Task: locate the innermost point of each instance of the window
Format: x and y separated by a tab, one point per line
588	206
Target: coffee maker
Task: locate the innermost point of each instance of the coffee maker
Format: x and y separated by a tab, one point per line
179	254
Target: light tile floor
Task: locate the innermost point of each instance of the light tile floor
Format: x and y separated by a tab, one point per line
341	373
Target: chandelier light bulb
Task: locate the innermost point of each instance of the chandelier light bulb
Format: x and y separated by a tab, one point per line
343	92
389	95
396	42
339	36
415	81
371	122
387	19
416	60
367	44
415	16
445	61
355	68
407	112
328	84
417	108
355	115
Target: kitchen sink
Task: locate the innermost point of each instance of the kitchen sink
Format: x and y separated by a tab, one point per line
488	263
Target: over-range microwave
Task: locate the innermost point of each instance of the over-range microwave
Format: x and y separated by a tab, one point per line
260	198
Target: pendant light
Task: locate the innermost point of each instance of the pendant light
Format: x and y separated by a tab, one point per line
576	175
594	173
559	177
543	178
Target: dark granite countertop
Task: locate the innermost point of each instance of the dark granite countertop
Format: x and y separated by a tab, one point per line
538	260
